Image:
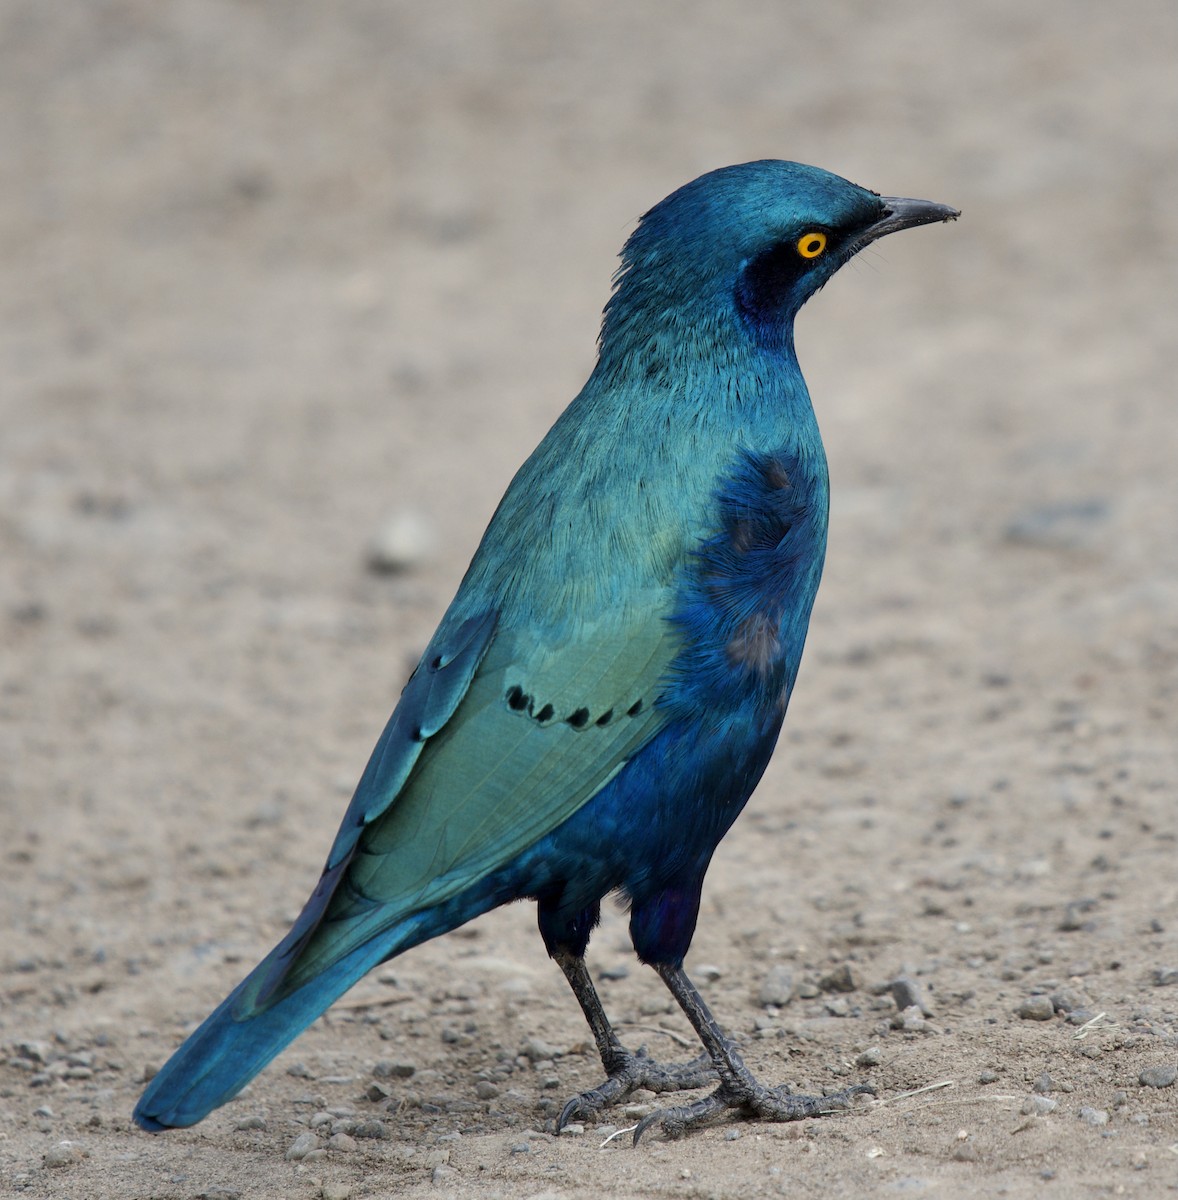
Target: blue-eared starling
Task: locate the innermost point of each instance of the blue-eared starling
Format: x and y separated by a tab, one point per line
606	688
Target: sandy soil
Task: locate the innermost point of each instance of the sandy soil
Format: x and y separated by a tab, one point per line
278	273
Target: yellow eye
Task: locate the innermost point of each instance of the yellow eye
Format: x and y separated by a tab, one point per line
811	245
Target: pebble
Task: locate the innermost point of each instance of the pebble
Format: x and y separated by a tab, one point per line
403	542
1076	917
521	1148
988	1077
301	1147
486	1090
1165	976
907	993
1093	1116
841	979
777	987
370	1129
254	1122
537	1050
1039	1106
1036	1008
1044	1084
911	1020
342	1142
731	1135
335	1190
1064	525
1067	1000
871	1057
573	1129
1160	1076
64	1154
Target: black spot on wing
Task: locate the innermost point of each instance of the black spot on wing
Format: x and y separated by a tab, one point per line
519	701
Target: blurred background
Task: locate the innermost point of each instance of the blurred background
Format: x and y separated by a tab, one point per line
289	288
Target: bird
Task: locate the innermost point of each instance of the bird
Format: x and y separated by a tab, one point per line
606	688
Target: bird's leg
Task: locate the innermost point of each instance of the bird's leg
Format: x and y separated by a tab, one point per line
738	1088
624	1070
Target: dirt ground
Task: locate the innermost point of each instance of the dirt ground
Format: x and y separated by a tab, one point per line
283	278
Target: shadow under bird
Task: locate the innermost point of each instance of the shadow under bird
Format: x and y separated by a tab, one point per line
605	690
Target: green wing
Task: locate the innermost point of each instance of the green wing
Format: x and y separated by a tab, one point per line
540	728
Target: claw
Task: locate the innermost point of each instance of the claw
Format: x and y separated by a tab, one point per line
629	1072
751	1100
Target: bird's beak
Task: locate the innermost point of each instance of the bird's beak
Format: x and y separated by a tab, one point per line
900	213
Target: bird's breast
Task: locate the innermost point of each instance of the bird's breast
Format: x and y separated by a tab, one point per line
745	599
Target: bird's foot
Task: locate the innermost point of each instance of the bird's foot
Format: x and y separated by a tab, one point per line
750	1099
629	1072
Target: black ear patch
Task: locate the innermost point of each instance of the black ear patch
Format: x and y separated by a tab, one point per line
766	282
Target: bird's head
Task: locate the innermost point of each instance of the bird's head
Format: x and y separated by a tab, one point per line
749	243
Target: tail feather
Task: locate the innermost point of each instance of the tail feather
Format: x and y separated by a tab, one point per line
229	1049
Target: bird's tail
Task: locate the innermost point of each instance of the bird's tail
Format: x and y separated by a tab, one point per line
230	1048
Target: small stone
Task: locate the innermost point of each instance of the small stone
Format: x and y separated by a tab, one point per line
871	1057
34	1051
486	1090
1160	1076
437	1158
988	1077
731	1135
1075	916
1093	1116
707	973
573	1129
966	1152
906	992
1043	1084
442	1174
64	1154
841	979
371	1128
403	542
301	1147
1165	976
911	1020
1039	1106
1036	1008
334	1190
343	1143
537	1050
1067	1000
253	1122
777	987
521	1148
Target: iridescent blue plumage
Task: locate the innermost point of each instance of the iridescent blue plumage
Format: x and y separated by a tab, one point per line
607	686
